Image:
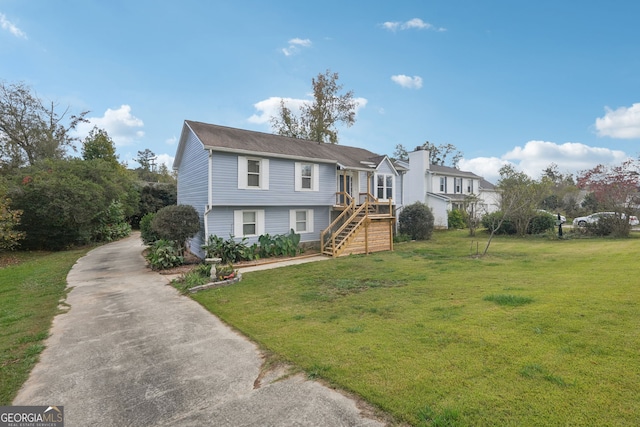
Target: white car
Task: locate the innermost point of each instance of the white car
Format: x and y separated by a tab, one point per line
581	221
563	219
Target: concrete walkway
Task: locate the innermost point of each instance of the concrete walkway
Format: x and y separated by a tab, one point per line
132	351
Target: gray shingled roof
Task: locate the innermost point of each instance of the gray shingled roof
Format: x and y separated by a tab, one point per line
452	171
224	138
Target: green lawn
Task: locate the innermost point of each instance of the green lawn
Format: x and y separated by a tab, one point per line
539	332
30	291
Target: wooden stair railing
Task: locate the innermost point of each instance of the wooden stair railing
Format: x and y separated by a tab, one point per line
335	242
336	237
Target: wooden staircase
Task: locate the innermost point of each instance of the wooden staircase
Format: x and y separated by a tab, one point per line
359	229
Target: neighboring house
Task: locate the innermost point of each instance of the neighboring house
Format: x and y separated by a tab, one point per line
444	188
245	184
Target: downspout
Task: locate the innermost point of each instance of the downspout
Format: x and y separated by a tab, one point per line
209	197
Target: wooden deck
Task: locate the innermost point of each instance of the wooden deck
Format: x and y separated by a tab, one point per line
359	228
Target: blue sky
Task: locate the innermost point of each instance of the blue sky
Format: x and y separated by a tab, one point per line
525	82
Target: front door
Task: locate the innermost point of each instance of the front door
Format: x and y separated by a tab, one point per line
346	186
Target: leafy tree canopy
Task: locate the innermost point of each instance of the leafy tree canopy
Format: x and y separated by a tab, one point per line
31	131
99	145
317	120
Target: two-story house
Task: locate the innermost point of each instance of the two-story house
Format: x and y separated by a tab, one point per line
444	188
245	184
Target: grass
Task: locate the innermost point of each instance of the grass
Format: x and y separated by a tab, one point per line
31	288
539	332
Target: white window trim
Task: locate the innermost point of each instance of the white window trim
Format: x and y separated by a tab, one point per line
393	185
238	223
243	171
292	220
315	177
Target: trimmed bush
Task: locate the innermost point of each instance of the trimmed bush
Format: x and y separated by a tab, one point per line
176	223
416	220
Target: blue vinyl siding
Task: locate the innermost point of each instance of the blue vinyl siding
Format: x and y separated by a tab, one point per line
192	183
281	190
276	221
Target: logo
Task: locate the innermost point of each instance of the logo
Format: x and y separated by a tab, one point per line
31	416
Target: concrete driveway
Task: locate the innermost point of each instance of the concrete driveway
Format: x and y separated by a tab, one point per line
132	351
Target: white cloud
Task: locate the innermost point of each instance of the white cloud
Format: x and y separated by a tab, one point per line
535	156
171	141
120	124
7	25
270	107
622	123
295	45
165	159
409	82
415	23
486	167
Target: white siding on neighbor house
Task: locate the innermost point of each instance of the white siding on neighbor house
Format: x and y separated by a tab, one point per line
277	220
281	187
192	184
439	208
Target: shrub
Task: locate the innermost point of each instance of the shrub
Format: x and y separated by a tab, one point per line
279	245
457	219
9	219
489	221
229	250
416	220
604	226
163	254
113	225
176	223
65	202
146	232
153	197
541	223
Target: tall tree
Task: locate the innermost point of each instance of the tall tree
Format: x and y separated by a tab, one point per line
400	153
99	145
563	190
439	154
31	131
146	159
317	120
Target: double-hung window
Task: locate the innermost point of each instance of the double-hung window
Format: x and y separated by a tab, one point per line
301	220
248	223
458	185
253	173
307	177
470	186
443	184
384	186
